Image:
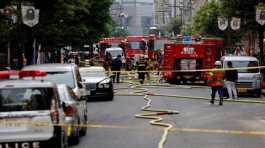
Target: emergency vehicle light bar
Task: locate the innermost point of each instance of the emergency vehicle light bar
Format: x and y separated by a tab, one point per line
32	73
4	74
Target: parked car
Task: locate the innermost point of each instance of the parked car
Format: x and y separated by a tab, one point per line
26	104
73	109
65	74
97	81
114	51
249	80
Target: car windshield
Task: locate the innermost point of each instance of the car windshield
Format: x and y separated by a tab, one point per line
59	77
115	53
92	73
238	64
136	45
25	99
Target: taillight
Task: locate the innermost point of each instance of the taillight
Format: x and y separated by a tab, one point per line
69	111
55	117
54	113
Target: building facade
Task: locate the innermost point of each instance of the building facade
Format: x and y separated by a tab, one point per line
165	10
137	16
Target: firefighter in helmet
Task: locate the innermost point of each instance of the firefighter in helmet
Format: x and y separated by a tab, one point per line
216	82
141	67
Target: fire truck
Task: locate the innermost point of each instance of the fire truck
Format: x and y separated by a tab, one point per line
182	61
107	43
135	46
155	45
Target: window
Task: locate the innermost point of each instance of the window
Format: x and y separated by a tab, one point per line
238	64
26	99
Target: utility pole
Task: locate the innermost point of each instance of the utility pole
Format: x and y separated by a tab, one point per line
175	8
20	45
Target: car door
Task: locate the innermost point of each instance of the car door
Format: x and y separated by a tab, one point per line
81	105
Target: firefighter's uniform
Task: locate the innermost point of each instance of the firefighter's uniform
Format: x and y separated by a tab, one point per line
216	81
141	66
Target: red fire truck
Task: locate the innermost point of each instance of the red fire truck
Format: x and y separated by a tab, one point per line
182	60
155	45
135	46
107	43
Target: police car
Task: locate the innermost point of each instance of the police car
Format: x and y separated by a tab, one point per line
30	113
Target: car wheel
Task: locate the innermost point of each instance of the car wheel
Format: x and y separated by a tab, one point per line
257	94
84	128
111	96
74	139
60	140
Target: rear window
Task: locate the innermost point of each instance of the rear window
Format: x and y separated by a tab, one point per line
25	99
60	77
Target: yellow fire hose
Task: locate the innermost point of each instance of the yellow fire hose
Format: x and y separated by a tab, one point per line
154	114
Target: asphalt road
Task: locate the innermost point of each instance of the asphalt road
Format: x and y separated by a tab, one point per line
199	124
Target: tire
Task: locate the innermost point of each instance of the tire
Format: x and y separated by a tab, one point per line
111	96
83	130
75	138
257	93
60	140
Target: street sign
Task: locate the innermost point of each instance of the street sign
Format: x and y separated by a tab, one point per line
30	15
260	16
187	40
222	23
235	23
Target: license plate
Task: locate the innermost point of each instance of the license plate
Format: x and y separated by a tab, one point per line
21	145
242	90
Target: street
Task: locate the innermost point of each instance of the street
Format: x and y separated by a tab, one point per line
113	124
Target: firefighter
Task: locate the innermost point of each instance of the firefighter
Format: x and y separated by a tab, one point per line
116	67
141	67
216	81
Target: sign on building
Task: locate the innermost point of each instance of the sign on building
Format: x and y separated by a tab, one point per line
222	23
30	15
260	16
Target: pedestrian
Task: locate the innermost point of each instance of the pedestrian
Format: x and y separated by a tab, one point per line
116	67
141	67
14	64
231	76
108	60
216	82
77	62
148	68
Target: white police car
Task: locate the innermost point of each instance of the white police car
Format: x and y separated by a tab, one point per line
30	113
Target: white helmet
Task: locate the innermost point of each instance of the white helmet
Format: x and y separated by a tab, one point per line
218	63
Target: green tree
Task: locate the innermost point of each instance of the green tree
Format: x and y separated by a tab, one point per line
63	23
174	26
205	22
246	10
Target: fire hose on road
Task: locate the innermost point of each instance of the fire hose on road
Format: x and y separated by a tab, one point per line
153	114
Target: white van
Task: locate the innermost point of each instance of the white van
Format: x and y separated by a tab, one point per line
249	80
114	51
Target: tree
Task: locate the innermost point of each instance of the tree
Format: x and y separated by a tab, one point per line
64	23
174	26
246	10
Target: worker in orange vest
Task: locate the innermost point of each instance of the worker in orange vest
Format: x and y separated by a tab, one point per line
216	81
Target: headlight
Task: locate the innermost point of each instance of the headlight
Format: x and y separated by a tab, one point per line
258	77
104	83
100	86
